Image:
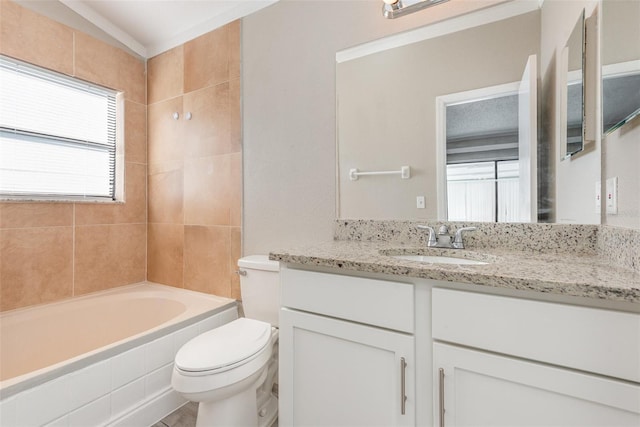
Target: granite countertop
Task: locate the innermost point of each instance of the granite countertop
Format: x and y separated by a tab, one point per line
572	274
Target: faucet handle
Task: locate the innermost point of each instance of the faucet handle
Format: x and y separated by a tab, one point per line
432	234
457	239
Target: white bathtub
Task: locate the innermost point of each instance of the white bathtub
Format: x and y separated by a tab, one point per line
100	359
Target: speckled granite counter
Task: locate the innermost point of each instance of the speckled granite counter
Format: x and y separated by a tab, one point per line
579	273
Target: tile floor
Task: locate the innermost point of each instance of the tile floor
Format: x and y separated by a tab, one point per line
185	417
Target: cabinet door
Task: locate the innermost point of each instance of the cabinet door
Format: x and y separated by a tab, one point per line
485	389
337	373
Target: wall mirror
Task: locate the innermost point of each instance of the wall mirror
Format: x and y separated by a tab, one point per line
434	104
573	90
620	56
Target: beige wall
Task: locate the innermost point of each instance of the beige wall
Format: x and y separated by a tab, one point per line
50	251
387	110
621	152
195	166
289	110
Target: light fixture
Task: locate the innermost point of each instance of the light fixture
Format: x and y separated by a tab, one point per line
395	8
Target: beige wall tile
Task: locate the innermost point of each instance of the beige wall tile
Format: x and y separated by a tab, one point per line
235	252
165	135
35	266
21	215
134	210
35	39
107	256
206	255
165	246
101	63
208	132
206	60
235	115
235	53
166	195
165	75
135	132
206	191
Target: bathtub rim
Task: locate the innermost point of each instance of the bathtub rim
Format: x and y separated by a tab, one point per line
15	385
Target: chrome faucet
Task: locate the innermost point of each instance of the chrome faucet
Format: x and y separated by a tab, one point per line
457	239
443	239
431	242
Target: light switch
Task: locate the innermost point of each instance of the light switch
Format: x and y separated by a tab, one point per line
420	202
598	196
612	196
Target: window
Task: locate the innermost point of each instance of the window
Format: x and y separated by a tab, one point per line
57	136
483	191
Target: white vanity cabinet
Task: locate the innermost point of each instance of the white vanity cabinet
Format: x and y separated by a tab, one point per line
503	361
347	351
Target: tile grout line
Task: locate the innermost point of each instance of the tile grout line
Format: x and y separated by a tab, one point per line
73	54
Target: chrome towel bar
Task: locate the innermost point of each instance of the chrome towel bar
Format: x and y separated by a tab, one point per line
404	172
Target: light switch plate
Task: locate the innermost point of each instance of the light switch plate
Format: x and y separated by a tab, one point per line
611	196
420	202
598	196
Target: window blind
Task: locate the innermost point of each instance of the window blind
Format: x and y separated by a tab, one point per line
57	135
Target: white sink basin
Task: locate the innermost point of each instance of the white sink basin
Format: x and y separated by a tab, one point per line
435	259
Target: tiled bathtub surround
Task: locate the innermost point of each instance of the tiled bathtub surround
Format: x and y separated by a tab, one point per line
52	251
191	187
195	165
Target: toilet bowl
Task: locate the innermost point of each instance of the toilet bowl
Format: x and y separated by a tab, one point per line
231	370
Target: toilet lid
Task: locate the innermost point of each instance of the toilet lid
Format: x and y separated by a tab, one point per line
224	346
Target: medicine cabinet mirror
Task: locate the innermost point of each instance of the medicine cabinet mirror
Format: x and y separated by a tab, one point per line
620	55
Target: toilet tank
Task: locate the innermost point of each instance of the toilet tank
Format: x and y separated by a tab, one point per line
260	288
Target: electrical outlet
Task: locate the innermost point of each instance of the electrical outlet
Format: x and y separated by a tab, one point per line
612	196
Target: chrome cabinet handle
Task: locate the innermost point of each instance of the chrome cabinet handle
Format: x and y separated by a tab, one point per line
403	396
441	396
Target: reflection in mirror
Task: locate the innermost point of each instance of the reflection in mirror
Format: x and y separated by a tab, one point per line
574	51
620	63
388	116
482	159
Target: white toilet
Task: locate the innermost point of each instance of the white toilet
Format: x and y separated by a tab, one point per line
231	370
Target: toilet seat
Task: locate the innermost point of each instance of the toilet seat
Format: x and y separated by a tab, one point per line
224	348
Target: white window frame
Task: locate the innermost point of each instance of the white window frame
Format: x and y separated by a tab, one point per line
112	146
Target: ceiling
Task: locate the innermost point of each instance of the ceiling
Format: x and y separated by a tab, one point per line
147	27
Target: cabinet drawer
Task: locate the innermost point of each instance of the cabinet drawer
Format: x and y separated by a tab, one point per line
370	301
594	340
